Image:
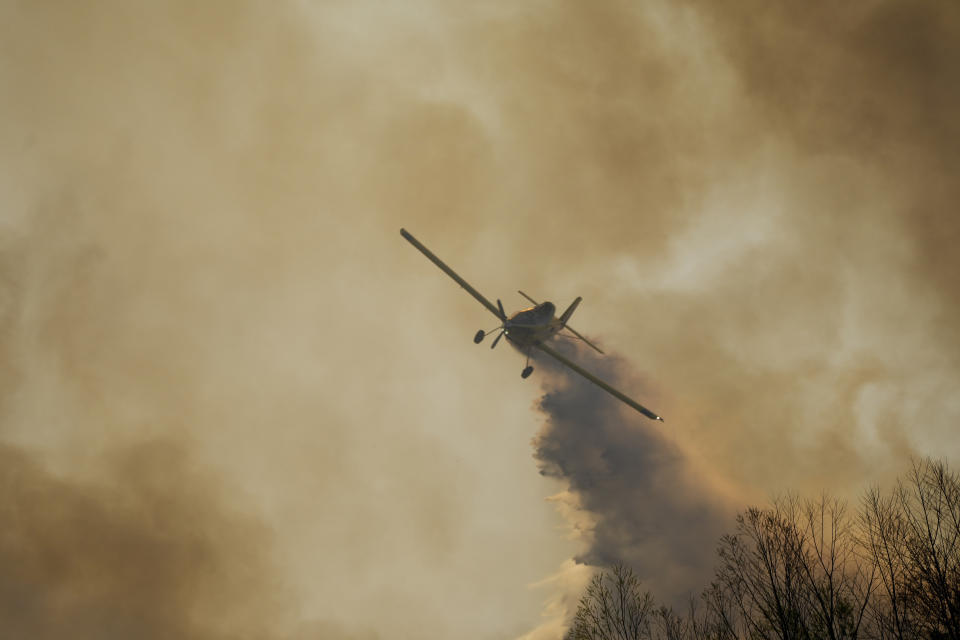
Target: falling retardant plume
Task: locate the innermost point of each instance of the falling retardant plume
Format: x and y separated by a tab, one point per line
646	503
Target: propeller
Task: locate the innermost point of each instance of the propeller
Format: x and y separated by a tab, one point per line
503	316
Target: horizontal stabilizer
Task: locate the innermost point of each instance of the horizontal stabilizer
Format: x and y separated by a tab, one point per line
528	297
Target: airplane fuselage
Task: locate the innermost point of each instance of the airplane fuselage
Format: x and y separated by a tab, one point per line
529	326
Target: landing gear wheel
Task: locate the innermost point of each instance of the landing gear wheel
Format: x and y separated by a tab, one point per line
526	372
477	339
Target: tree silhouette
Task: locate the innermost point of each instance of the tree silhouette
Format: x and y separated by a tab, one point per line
913	538
791	572
613	607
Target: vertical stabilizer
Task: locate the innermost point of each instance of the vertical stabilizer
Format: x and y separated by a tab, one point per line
569	312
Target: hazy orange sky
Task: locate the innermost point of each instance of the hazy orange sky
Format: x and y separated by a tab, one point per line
234	402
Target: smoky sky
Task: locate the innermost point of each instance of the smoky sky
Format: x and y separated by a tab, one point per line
149	549
875	83
199	208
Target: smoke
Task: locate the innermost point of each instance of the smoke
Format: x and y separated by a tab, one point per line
198	247
872	83
645	502
149	549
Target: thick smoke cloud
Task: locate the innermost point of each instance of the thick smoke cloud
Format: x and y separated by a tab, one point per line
874	83
148	550
646	502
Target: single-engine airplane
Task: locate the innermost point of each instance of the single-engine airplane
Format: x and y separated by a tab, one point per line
530	328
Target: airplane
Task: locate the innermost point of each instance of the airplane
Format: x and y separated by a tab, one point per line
531	328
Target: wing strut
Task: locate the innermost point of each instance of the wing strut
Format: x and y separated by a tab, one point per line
597	381
453	274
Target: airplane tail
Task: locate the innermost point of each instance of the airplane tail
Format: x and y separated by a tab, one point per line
569	312
566	316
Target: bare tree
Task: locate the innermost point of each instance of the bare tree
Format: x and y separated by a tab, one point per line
838	584
883	539
758	590
913	538
790	572
613	608
668	625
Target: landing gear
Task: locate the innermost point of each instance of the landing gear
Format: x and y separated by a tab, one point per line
480	335
527	370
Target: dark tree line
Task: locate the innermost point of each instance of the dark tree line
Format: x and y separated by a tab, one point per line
811	570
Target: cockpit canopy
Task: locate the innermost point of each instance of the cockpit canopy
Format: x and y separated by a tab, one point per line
545	311
541	314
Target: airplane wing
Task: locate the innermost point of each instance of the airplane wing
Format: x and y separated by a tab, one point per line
597	381
453	274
